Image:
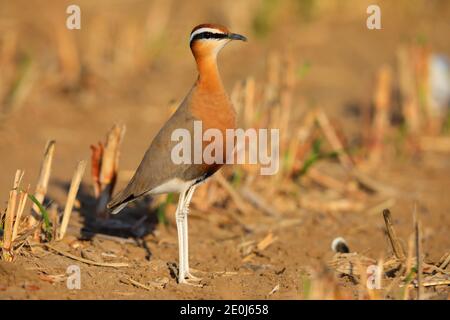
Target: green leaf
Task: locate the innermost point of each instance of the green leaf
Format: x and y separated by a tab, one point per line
303	70
236	178
306	286
161	212
44	213
263	21
315	155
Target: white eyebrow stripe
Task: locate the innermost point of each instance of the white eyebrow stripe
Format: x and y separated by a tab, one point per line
213	30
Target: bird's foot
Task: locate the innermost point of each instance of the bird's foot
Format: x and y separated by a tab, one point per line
195	282
196	270
191	271
186	277
190	276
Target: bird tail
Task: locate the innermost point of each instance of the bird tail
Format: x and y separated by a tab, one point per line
120	201
118	208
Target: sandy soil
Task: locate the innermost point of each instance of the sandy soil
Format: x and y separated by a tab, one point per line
301	247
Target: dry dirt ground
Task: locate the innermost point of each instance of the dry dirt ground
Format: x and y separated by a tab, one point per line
299	249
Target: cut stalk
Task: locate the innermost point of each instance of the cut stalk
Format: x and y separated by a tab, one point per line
249	109
20	207
395	243
333	139
105	165
44	177
418	245
74	186
380	125
8	229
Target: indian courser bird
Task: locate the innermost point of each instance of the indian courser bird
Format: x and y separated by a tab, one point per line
208	102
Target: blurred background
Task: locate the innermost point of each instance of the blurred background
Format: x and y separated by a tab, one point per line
378	94
131	61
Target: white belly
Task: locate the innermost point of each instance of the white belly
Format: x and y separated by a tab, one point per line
173	185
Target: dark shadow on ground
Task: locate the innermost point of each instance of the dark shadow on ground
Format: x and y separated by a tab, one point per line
135	221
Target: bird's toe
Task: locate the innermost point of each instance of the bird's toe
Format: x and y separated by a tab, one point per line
190	276
191	282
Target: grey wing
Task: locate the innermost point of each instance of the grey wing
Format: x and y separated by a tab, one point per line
156	167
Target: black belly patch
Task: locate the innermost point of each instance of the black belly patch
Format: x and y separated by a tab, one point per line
203	178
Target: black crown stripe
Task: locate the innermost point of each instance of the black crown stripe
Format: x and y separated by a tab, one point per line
209	35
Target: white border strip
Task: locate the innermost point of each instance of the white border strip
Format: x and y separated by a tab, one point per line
212	30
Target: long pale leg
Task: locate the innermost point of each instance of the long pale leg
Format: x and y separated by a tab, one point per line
187	201
180	217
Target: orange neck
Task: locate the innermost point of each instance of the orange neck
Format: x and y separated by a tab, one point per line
208	73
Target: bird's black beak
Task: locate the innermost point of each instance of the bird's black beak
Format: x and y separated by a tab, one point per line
235	36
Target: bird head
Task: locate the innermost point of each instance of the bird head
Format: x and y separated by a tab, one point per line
209	39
